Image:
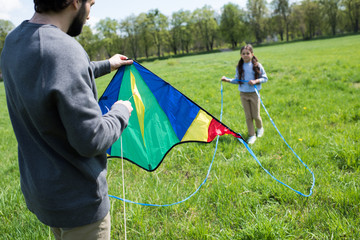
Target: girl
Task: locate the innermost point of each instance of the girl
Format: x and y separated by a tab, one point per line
248	73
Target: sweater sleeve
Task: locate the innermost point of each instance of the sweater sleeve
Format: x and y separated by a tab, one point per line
263	77
100	68
236	79
70	89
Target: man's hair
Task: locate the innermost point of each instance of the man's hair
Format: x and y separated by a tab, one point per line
42	6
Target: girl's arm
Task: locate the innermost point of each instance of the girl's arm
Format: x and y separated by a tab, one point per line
234	81
254	82
262	79
225	79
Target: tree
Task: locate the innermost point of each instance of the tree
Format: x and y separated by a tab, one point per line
153	33
206	26
5	27
232	24
176	22
131	27
256	13
331	10
145	40
88	40
187	31
311	17
108	36
353	12
283	10
158	24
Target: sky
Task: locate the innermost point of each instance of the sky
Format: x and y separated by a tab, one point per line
18	10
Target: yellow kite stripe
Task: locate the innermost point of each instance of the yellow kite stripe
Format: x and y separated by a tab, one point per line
139	105
199	128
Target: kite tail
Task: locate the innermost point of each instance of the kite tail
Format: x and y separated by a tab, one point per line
185	199
297	156
238	136
257	160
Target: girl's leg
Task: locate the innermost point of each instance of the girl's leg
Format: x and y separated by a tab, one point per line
255	110
246	103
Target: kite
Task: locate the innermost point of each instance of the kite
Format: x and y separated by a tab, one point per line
162	118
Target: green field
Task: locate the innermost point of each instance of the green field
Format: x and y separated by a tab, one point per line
313	95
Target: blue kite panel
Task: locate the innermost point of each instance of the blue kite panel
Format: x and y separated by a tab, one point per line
180	111
111	94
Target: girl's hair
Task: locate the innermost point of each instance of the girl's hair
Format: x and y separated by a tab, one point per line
42	6
254	61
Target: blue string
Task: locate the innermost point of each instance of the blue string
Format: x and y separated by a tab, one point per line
175	203
257	160
212	161
206	178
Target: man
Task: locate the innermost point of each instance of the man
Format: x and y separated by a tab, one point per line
61	133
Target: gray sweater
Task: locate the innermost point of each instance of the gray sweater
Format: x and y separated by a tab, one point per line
61	133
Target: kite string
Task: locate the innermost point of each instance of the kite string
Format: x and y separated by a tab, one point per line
206	178
123	180
175	203
297	156
208	173
257	160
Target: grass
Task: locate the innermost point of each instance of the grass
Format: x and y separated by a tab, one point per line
313	96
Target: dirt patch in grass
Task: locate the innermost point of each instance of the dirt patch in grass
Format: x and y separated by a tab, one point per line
356	85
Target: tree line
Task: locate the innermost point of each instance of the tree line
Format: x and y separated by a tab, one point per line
153	34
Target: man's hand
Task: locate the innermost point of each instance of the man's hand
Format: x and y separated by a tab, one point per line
119	60
126	104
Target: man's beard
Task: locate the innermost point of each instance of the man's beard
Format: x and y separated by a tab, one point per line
77	24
